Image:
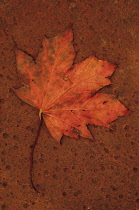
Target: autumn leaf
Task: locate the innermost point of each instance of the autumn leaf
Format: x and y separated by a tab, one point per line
65	94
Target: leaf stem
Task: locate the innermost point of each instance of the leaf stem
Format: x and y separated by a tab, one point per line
32	156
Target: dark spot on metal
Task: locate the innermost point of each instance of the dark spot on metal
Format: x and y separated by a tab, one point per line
3	152
121	196
31	146
15	147
135	170
25	205
46	172
5	135
1	101
126	127
91	28
116	157
64	194
65	170
55	176
106	150
41	160
4	206
28	128
108	196
15	137
113	188
8	167
94	181
33	130
4	184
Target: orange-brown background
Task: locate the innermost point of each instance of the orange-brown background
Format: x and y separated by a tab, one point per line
78	174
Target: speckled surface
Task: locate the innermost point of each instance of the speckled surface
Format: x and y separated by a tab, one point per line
78	174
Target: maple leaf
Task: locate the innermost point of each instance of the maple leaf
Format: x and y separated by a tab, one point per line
65	95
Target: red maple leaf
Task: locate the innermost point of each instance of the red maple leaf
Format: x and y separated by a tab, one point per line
65	94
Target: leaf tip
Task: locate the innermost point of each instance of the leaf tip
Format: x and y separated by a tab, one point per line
127	111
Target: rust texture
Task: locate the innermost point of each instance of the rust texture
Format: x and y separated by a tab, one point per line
76	174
